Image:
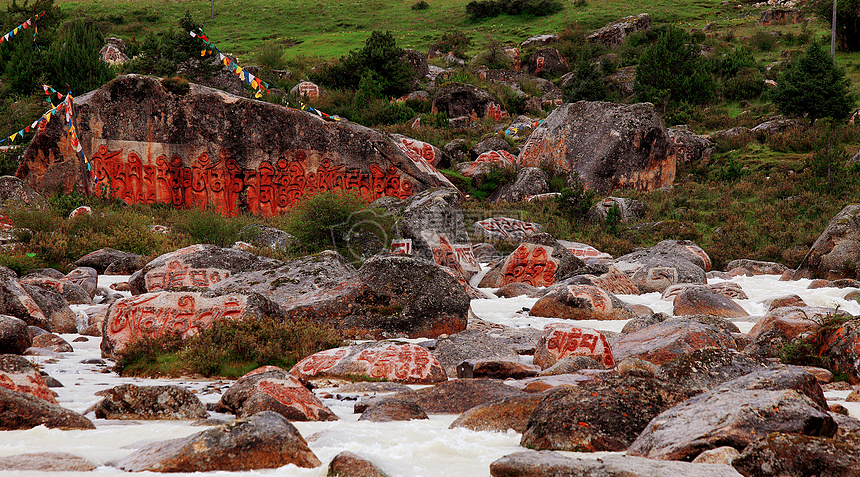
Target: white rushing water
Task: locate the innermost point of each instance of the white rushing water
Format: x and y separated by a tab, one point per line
413	448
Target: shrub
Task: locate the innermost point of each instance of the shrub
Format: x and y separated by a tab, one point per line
574	202
747	85
380	55
588	84
453	41
422	5
205	226
763	40
480	10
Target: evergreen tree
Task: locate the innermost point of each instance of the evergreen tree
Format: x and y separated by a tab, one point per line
381	56
671	70
847	22
74	59
814	86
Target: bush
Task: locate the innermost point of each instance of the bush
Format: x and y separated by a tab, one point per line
74	59
381	56
204	226
588	84
480	10
574	202
454	41
763	40
422	5
747	85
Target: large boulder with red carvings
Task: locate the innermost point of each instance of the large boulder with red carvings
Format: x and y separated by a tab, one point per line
401	363
208	148
705	301
836	252
581	302
560	340
605	414
129	401
17	374
464	100
14	336
419	150
273	389
613	34
611	146
736	414
15	301
19	410
504	228
665	341
181	313
391	296
265	440
480	168
547	62
540	261
197	266
612	281
690	146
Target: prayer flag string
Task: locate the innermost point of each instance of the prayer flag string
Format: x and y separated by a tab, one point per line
246	77
27	24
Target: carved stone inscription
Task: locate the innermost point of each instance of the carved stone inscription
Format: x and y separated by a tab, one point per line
178	274
530	263
566	341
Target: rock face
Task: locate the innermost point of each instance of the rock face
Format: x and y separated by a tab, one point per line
581	302
17	374
210	148
539	261
402	363
23	411
836	252
690	147
16	302
61	319
737	413
547	62
272	389
669	339
611	146
14	337
560	340
18	192
841	347
614	33
606	414
262	441
792	455
554	464
665	264
702	300
530	181
464	100
129	401
423	150
390	409
504	228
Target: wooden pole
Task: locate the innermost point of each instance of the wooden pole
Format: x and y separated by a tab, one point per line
212	8
832	33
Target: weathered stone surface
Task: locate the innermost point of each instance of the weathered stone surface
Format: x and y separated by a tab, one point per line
16	191
61	318
423	150
485	163
495	369
52	342
85	277
470	344
836	252
792	321
553	464
606	414
576	137
630	209
73	293
581	302
263	441
539	40
517	289
271	388
736	414
757	267
182	313
347	464
46	462
560	340
14	336
20	410
391	409
791	455
704	369
16	302
459	100
530	181
547	62
129	401
614	33
247	154
402	363
504	228
17	374
571	364
690	147
702	300
658	267
523	340
721	455
307	90
539	261
840	347
390	296
543	383
500	415
458	395
102	258
585	252
669	339
779	16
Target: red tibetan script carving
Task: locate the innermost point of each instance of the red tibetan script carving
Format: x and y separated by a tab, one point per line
309	90
401	247
270	190
532	264
293	395
399	363
421	148
177	274
597	298
34	386
318	363
564	341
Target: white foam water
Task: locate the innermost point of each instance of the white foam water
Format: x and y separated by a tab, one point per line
414	448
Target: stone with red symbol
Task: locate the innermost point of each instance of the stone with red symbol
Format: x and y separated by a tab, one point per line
505	228
581	302
547	62
464	100
60	317
418	150
271	388
560	340
17	374
612	281
73	293
539	261
84	277
81	211
307	90
184	314
401	363
196	266
486	162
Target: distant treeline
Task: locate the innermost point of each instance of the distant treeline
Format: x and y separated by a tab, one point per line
479	10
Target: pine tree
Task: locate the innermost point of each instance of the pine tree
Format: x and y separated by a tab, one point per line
813	86
74	59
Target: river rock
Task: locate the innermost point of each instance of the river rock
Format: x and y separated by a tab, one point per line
554	464
61	318
181	313
792	321
270	388
85	277
16	302
669	339
390	409
46	462
52	342
14	336
452	350
757	267
614	33
73	293
791	455
390	296
17	374
504	228
703	300
581	302
458	395
347	464
840	346
738	413
464	100
19	410
836	252
530	181
495	369
517	289
103	258
560	340
706	368
129	401
539	261
263	441
606	414
654	270
630	209
402	363
499	415
611	146
584	251
140	137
